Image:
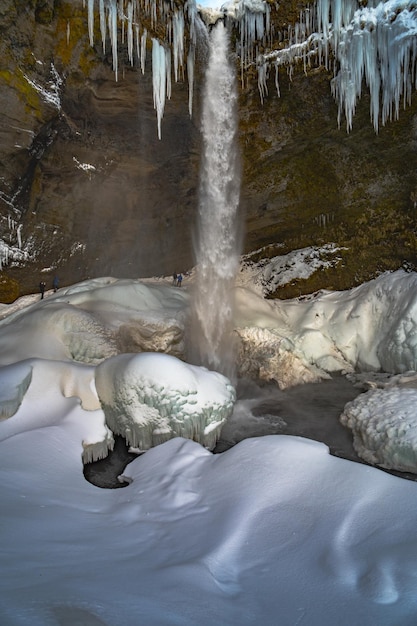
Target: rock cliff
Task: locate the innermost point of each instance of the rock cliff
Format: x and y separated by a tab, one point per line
87	188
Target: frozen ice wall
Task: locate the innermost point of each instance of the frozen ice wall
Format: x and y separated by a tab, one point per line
217	246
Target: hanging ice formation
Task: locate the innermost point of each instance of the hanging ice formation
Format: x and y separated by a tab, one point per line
129	17
218	244
375	44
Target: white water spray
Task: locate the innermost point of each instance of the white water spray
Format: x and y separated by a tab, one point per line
218	241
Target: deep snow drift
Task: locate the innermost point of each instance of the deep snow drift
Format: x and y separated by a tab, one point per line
275	530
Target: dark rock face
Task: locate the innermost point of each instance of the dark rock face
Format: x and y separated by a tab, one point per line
307	182
96	193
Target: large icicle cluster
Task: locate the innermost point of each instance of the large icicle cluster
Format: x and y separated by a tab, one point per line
129	17
380	46
252	19
376	45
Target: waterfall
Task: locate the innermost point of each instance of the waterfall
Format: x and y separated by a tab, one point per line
217	243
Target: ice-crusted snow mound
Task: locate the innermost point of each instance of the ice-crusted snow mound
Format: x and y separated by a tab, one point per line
93	320
150	398
368	328
384	424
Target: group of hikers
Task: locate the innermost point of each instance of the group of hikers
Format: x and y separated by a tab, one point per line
42	286
177	279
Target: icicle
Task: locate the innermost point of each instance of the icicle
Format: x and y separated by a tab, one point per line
122	22
130	32
91	21
168	71
277	81
262	80
113	33
137	37
159	80
143	50
103	25
190	72
376	45
178	41
19	236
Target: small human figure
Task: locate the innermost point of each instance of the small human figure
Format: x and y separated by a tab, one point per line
55	283
42	289
174	278
179	280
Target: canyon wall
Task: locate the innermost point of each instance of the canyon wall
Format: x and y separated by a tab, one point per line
87	188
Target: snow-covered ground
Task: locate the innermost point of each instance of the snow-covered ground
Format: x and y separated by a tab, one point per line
269	274
274	530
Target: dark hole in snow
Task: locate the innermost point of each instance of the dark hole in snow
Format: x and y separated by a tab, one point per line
105	472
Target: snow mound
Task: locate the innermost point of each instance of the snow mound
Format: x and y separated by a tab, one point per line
150	398
384	427
41	393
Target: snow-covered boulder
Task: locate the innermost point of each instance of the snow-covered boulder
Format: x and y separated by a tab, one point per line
384	427
150	398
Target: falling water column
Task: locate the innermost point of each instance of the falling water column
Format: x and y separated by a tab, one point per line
217	244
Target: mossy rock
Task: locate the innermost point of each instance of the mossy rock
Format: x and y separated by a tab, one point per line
9	289
44	11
